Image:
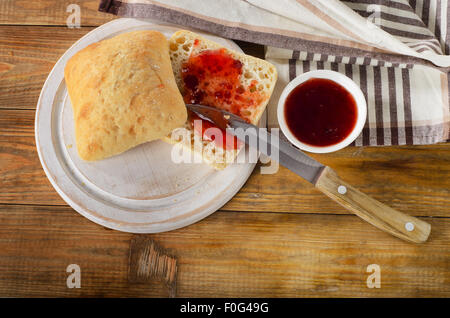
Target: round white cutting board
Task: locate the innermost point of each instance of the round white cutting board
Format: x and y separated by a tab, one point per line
141	190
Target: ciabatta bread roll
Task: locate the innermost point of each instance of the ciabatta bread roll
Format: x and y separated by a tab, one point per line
123	93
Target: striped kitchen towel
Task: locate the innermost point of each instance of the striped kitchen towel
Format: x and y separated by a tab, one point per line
396	50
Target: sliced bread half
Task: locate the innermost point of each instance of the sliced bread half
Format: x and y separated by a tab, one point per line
209	74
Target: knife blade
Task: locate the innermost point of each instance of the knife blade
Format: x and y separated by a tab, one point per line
322	177
282	151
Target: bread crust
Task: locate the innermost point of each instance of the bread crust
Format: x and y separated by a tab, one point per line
123	93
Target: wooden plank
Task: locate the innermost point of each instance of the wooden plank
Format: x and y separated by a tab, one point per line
50	12
27	55
398	176
255	255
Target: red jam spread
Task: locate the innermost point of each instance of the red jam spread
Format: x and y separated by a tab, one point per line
320	112
227	142
212	78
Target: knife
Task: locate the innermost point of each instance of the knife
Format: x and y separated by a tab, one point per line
324	178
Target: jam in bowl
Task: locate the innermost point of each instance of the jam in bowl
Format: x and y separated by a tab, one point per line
322	111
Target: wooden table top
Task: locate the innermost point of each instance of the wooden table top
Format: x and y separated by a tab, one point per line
278	237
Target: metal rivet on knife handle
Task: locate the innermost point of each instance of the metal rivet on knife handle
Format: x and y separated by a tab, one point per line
342	189
409	226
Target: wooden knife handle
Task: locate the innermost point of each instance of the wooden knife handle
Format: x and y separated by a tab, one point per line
376	213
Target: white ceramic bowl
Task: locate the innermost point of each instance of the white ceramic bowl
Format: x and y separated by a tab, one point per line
340	79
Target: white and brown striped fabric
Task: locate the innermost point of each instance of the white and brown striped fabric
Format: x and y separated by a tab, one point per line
396	50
